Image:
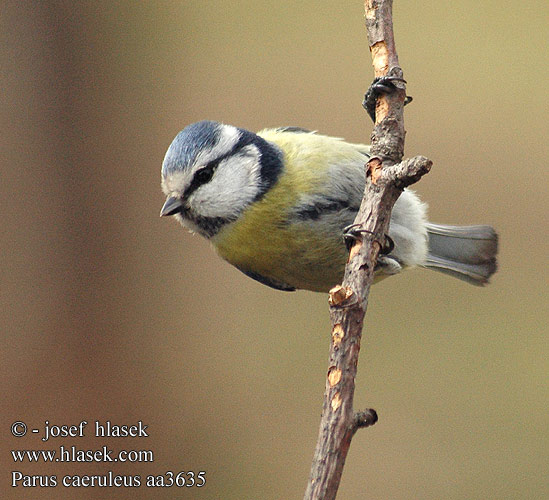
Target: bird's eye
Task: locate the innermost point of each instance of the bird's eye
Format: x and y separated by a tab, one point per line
203	175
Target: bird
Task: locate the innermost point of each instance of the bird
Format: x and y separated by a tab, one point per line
275	204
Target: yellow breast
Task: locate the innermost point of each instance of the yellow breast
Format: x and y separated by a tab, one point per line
301	254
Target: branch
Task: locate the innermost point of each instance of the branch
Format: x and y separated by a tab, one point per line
385	179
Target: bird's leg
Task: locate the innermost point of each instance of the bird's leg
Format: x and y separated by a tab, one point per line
380	85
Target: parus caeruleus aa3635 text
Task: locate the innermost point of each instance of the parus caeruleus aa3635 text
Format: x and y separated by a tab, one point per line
275	204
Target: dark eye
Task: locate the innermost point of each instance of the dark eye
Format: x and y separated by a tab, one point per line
203	175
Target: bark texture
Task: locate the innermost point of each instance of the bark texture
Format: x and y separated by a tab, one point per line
387	176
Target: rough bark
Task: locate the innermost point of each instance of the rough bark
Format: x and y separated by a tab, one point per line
387	176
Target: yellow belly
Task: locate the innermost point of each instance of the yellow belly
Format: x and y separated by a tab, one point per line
292	254
267	241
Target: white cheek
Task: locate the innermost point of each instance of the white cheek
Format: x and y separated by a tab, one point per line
175	183
234	186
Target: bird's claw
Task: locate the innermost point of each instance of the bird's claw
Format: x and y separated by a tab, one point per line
352	233
381	85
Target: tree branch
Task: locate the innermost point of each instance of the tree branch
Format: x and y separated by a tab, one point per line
385	179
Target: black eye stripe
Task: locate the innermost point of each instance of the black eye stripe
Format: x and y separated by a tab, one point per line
204	174
270	161
268	157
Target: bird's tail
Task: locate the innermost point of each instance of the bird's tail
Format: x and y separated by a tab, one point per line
465	252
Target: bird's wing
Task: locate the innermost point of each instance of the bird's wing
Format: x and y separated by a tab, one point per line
277	285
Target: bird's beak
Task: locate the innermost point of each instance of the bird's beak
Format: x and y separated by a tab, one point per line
171	207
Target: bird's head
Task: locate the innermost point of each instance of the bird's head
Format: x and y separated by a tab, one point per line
212	172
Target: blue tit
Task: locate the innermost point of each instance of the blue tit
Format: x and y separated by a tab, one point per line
274	205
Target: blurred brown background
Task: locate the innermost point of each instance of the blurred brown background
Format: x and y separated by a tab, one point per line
110	313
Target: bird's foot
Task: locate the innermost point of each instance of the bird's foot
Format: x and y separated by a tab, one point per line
353	233
381	85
